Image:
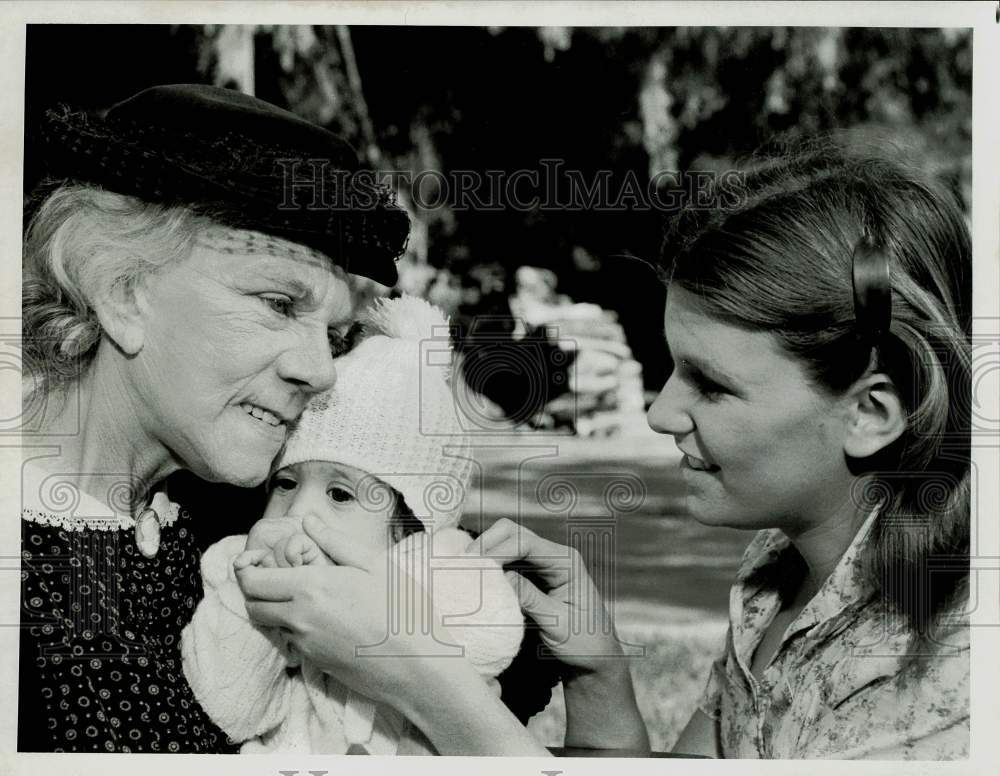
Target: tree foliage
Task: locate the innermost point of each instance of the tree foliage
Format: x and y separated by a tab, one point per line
628	101
622	102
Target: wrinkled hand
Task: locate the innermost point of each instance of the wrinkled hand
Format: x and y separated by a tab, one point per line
338	617
573	621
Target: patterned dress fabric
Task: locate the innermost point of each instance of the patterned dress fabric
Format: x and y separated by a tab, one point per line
100	662
836	687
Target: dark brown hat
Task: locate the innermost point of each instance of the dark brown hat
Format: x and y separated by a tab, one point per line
241	161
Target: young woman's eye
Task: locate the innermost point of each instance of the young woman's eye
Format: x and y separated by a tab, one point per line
283	484
340	495
709	389
280	303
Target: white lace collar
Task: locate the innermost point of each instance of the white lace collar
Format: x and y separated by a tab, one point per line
53	499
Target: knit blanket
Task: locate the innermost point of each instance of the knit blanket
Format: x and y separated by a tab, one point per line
258	690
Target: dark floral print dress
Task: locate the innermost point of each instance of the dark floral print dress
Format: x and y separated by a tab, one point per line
100	663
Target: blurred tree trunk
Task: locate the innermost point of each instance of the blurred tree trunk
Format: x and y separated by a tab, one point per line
232	54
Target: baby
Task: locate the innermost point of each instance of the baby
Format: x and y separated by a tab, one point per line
383	459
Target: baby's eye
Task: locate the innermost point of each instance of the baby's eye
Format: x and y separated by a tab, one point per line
283	484
340	495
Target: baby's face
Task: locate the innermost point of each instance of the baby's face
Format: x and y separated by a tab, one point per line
339	495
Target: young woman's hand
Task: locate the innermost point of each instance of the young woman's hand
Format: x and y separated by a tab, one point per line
574	623
575	626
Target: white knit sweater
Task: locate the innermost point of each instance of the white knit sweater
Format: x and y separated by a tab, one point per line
261	693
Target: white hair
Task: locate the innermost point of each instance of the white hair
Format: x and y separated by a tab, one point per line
82	243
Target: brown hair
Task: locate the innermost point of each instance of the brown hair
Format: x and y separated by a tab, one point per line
404	522
776	256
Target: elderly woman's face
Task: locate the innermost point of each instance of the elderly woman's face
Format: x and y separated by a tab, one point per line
762	446
235	340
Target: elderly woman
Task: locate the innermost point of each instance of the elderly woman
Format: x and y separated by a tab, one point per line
187	284
819	330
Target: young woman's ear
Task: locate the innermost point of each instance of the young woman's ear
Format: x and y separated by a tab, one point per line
877	416
120	312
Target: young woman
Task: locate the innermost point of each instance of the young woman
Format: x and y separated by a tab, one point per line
818	322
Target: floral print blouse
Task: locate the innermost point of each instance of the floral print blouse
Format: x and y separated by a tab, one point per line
835	687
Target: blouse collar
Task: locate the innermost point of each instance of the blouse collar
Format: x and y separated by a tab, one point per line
847	584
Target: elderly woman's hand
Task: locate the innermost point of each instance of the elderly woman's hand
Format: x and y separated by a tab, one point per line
338	615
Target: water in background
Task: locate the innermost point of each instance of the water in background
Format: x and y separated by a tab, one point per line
626	493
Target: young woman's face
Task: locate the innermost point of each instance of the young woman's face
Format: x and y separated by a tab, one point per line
763	447
344	497
236	339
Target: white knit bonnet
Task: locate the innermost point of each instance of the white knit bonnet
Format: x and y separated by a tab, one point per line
392	413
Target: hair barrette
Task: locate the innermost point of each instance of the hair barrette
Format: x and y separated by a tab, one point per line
872	291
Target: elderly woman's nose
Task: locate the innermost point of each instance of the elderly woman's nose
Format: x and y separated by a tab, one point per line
667	414
310	362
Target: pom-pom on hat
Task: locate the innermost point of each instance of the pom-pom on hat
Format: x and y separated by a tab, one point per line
241	161
392	413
